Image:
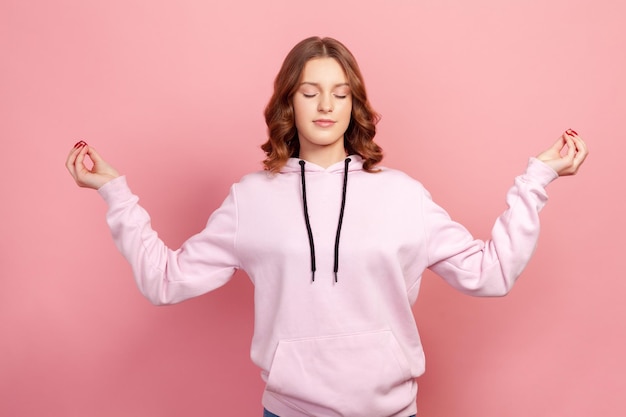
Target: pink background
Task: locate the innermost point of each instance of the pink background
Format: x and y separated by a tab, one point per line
172	94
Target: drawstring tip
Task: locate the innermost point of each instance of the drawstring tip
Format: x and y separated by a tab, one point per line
336	277
312	276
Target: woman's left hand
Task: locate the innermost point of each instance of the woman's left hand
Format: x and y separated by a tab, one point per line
569	162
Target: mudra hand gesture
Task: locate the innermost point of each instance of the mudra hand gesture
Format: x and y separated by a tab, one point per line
566	155
99	174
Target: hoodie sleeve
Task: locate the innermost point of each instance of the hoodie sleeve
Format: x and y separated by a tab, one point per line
489	268
203	263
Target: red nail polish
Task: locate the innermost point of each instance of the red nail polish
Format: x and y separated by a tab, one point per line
80	143
572	131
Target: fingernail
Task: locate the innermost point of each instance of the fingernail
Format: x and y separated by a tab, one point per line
80	143
573	131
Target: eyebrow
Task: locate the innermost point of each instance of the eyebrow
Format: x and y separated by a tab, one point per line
318	84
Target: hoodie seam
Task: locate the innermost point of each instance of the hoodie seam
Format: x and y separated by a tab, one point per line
426	231
236	231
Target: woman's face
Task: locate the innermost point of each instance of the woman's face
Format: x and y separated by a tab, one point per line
323	107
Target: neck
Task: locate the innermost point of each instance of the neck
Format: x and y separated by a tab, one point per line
323	156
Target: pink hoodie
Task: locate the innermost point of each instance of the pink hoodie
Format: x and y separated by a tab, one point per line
333	347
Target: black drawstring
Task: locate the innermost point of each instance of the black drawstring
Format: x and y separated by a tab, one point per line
308	222
343	205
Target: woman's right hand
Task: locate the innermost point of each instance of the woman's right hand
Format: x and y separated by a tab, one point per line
99	174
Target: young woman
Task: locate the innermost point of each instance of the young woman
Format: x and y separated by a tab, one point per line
334	244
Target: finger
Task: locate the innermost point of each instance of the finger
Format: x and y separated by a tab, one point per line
79	163
79	144
580	144
94	155
69	162
571	149
582	153
71	158
579	159
562	146
76	148
100	166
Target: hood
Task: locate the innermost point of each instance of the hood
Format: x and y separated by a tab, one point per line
293	165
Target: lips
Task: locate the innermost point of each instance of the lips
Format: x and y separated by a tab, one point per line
324	122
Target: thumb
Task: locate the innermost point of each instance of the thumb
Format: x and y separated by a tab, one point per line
94	155
100	166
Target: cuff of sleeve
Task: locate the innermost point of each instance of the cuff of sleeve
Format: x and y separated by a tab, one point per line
540	172
115	190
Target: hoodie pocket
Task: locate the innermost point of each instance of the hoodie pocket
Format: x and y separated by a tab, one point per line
350	375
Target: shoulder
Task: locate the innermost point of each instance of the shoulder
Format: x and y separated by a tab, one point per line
255	177
388	185
394	178
258	178
257	183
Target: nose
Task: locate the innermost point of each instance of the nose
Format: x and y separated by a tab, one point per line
325	104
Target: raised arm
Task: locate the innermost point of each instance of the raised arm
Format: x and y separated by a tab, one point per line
204	262
489	268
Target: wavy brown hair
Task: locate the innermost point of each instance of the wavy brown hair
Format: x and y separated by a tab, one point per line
283	140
